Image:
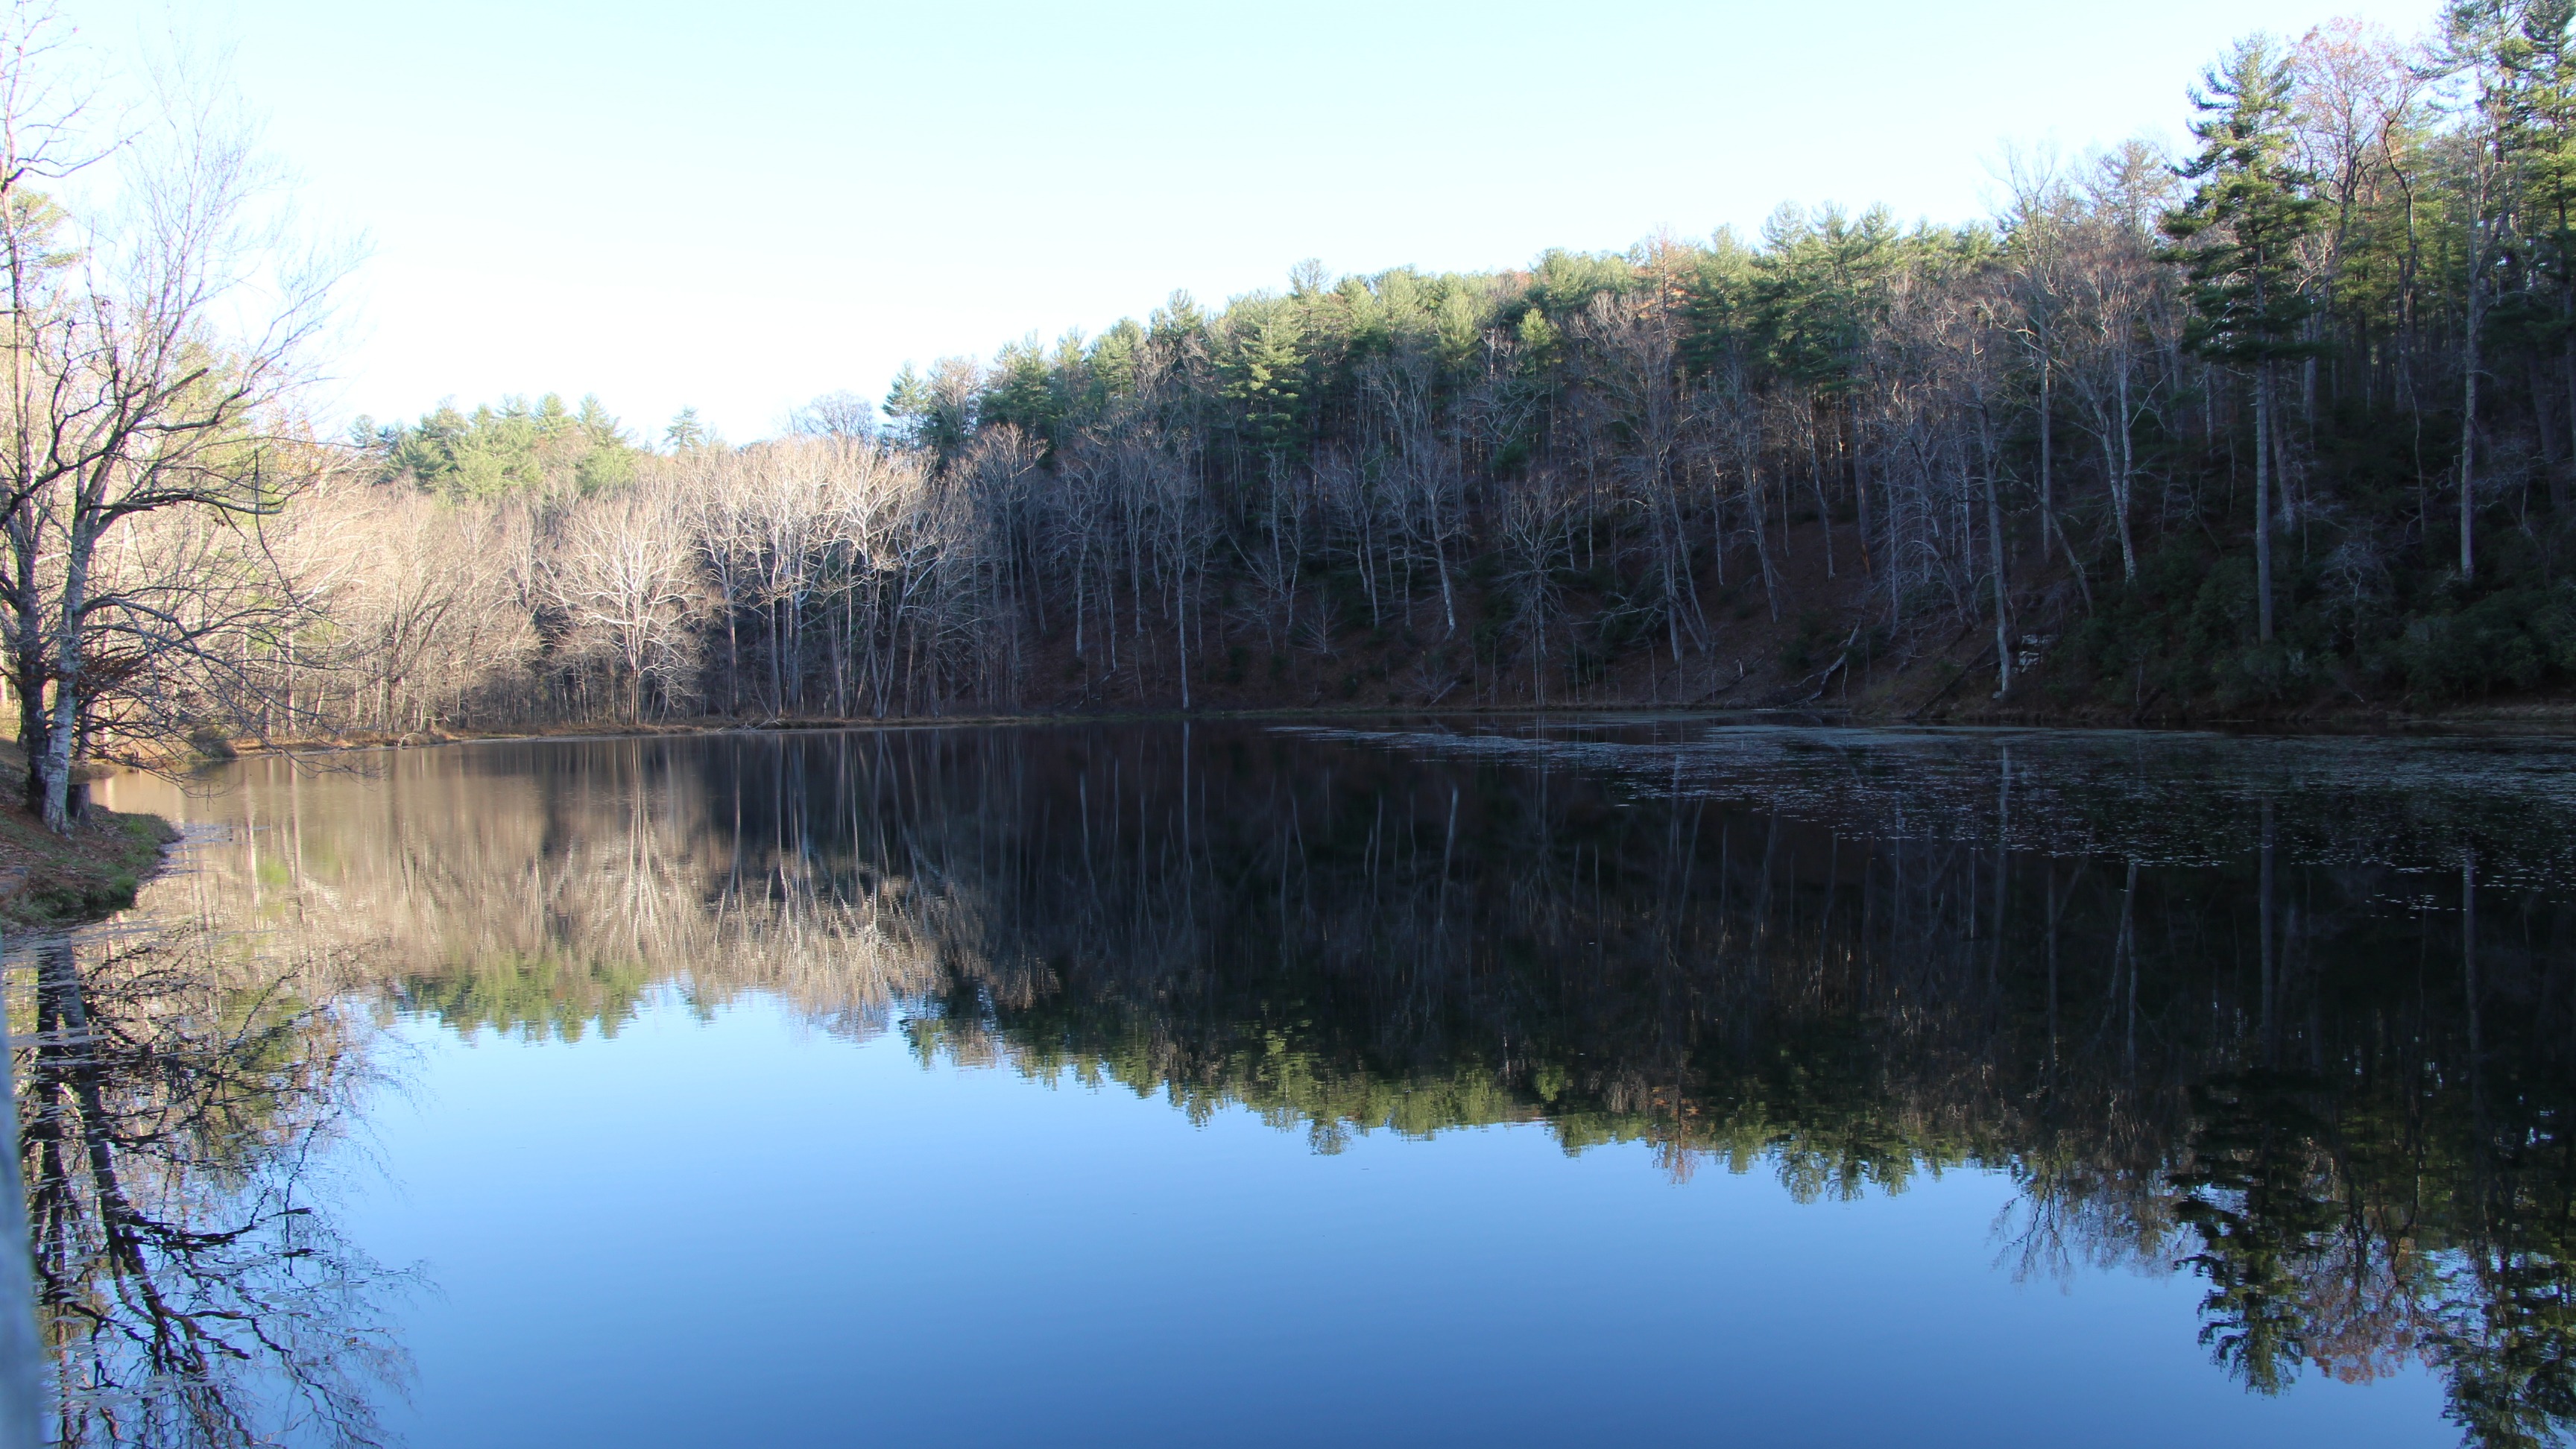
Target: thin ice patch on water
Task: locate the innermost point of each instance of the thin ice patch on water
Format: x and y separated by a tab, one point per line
2156	797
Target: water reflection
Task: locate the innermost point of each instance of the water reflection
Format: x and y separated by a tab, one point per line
2291	1017
174	1101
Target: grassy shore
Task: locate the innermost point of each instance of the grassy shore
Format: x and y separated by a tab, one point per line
49	880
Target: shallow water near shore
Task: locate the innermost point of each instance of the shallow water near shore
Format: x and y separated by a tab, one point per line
1388	1081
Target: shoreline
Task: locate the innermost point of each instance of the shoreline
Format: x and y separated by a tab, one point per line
52	882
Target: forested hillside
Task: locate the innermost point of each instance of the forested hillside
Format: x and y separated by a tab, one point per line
2280	424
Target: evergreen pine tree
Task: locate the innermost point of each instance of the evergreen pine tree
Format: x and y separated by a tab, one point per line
2239	236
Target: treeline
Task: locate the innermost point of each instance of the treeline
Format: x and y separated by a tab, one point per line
2286	420
2283	420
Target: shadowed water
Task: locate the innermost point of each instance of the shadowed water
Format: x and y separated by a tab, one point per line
1400	1083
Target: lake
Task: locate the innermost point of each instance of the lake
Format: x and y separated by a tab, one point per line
1407	1081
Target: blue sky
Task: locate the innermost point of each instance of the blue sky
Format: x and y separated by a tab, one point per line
735	207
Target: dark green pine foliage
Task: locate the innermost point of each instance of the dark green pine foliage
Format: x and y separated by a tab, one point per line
1025	392
517	447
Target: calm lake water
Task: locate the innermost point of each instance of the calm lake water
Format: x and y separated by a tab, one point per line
1655	1080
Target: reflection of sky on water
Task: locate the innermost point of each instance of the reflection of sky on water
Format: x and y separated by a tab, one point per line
703	1145
735	1229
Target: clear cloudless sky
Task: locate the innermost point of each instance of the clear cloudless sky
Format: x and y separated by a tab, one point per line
738	206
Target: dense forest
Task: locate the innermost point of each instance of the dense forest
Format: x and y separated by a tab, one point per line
2280	422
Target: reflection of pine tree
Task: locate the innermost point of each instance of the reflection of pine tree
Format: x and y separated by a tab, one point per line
2260	1195
2508	1352
2508	1342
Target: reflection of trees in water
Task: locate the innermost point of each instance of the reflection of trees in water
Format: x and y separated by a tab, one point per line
546	902
189	1283
2325	1091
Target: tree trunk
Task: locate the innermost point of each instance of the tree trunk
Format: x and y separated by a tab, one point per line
2567	363
2469	425
2124	474
2047	479
2263	500
1995	553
